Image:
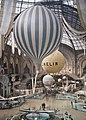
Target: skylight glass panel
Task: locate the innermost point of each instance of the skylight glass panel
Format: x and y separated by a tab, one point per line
24	5
65	40
70	2
69	13
25	0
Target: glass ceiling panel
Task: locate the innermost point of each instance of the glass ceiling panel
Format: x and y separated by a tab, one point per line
65	40
70	2
59	7
78	44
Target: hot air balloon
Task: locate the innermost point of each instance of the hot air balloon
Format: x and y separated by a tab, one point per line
37	32
54	62
48	80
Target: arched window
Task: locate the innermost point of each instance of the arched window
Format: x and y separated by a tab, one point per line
1	89
84	70
5	69
11	69
16	69
26	69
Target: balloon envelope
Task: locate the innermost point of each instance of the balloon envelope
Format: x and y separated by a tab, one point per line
54	62
37	32
48	80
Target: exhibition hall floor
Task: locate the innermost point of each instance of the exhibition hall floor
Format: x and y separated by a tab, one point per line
51	102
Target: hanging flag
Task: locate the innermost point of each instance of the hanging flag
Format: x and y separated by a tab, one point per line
6	19
7	14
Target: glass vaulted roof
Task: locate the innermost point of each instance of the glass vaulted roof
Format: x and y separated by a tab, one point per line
65	8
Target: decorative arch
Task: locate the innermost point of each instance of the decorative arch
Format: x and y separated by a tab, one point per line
4	85
81	64
5	65
17	66
11	68
11	60
6	61
27	67
1	89
68	64
26	63
17	61
69	59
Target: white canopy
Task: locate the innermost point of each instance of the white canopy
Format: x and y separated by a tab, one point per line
81	92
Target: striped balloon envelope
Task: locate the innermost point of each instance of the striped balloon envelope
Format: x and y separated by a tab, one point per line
37	32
